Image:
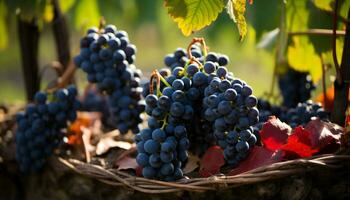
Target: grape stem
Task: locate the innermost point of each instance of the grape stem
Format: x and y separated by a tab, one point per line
156	75
62	81
101	24
194	41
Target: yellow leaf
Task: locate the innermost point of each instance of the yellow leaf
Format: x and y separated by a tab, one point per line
66	5
3	29
87	14
48	12
302	57
198	14
236	10
323	4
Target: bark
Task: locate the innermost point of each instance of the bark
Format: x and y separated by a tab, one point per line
341	90
29	34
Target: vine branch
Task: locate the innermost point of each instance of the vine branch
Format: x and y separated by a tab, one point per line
318	32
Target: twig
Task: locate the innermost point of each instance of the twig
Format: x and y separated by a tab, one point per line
64	79
318	32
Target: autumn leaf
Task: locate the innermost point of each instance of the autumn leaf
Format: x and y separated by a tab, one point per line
298	144
126	163
274	133
193	15
236	10
212	161
107	143
258	157
192	163
324	135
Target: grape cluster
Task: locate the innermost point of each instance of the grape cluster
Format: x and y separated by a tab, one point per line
39	128
303	113
295	87
162	148
93	101
296	116
231	107
197	103
107	56
266	110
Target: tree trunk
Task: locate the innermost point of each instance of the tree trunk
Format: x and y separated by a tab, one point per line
341	91
28	33
61	34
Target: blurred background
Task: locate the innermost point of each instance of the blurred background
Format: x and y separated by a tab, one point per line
154	33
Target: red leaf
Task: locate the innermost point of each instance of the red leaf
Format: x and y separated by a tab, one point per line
126	163
299	144
212	161
274	133
139	171
259	156
324	136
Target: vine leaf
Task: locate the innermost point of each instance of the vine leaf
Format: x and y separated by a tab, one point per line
258	157
299	144
84	7
212	161
66	5
274	133
302	57
236	10
323	4
193	15
3	30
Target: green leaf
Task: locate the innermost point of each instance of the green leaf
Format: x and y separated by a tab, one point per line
236	10
297	15
193	15
87	14
344	9
323	4
3	29
302	57
269	39
260	20
66	5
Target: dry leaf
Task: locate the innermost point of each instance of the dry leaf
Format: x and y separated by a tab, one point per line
192	163
107	143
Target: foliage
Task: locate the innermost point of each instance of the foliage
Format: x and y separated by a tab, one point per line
302	57
193	15
3	32
236	10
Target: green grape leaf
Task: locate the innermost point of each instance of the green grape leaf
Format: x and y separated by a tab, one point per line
66	5
344	9
301	56
323	4
236	10
257	16
297	15
87	14
3	29
193	15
